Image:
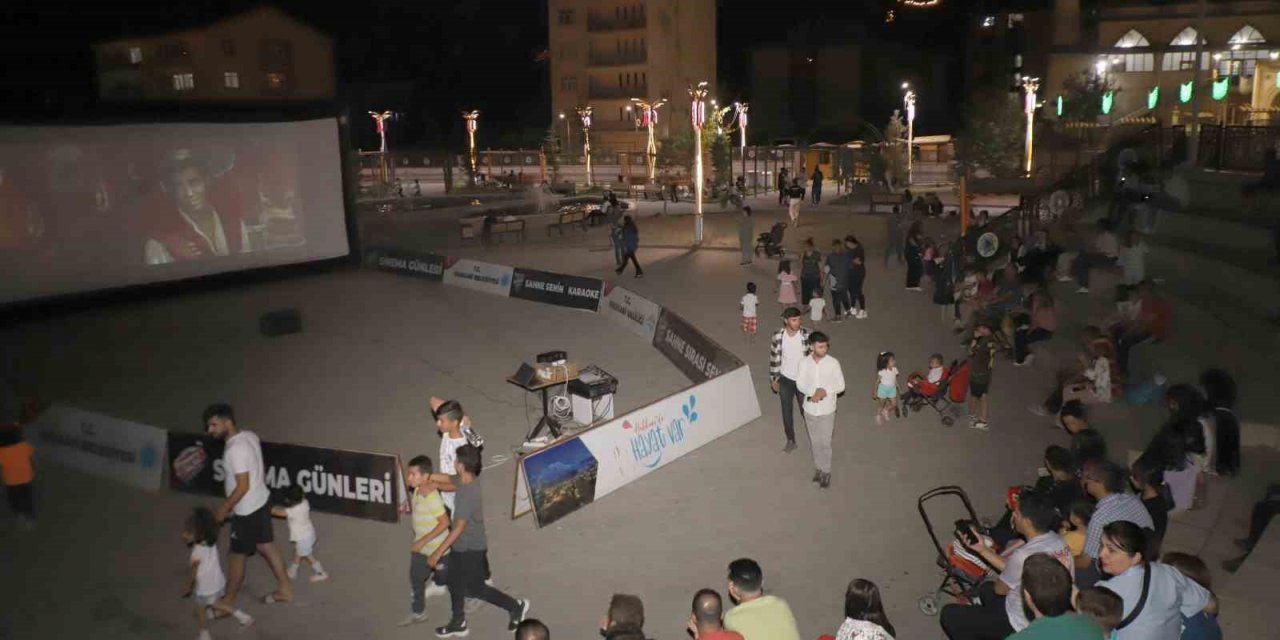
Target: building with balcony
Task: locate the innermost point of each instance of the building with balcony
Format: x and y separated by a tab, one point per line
1148	49
603	53
261	55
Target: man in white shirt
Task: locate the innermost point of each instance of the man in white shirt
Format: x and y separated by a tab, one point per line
819	380
1000	613
788	346
247	504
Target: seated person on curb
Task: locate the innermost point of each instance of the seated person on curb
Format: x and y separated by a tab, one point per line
1096	386
1093	342
1154	317
1103	605
625	620
1060	483
1167	596
1001	612
707	620
1046	592
1108	483
1203	625
757	616
1074	526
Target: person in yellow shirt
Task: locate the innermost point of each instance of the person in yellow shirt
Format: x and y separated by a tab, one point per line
757	616
430	527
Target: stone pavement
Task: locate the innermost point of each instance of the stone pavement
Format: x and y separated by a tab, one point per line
377	345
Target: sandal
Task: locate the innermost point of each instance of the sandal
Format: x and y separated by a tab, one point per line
271	598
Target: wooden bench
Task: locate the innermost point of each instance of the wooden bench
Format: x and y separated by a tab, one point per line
500	228
573	217
885	198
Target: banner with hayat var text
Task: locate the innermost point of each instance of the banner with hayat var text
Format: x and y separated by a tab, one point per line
350	483
100	445
572	473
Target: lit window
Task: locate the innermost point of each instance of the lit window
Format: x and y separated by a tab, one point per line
1015	20
184	81
231	80
1247	35
275	81
135	55
565	16
1184	60
1017	61
1134	61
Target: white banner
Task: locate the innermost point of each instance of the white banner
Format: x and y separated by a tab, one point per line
631	310
478	276
101	445
570	474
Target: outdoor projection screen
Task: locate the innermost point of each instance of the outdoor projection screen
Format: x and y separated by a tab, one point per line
98	207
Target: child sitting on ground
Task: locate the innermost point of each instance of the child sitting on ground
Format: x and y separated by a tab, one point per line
1105	606
206	580
297	511
887	386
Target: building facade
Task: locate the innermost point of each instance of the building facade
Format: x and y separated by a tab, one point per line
1148	49
603	53
262	55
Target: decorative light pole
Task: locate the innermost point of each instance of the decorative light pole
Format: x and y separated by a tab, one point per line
585	114
741	109
909	101
471	118
380	123
1030	86
649	119
698	116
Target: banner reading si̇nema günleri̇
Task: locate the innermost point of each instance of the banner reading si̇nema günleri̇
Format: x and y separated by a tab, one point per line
350	483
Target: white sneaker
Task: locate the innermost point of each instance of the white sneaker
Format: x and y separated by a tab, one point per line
1065	278
434	590
862	315
292	571
204	635
980	425
1082	290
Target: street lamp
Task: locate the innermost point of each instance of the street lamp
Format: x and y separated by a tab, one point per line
380	122
741	109
698	115
471	118
585	114
649	119
909	100
1030	86
566	130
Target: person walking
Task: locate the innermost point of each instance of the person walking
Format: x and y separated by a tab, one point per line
819	380
893	237
838	277
468	548
810	272
915	257
247	505
857	255
816	187
787	347
746	235
630	242
783	185
795	196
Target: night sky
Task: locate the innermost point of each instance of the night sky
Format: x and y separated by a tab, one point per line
474	54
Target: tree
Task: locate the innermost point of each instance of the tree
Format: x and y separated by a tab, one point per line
1082	96
676	150
895	147
992	135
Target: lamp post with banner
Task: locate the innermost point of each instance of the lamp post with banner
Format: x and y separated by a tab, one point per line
471	118
1029	87
585	114
741	109
698	116
909	101
649	120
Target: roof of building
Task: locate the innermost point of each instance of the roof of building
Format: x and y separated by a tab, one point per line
180	17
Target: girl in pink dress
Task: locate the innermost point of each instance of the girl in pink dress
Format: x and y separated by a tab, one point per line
786	284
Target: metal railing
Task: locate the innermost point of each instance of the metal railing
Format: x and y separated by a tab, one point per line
616	59
601	24
601	92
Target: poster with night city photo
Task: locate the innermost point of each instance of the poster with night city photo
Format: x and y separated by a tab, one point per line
562	479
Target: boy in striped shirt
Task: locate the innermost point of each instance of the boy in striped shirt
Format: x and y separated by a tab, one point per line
430	527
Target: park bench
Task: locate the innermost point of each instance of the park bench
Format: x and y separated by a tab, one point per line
885	198
573	217
499	228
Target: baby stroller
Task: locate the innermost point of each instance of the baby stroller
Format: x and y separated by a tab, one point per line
962	572
770	244
945	397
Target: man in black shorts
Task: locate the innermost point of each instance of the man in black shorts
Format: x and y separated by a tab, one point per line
982	356
248	504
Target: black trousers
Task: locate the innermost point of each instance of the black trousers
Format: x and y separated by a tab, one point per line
466	580
857	300
22	501
840	300
1022	339
1262	514
790	398
915	269
987	621
629	256
808	286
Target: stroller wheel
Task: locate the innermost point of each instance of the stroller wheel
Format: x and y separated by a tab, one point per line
929	604
948	421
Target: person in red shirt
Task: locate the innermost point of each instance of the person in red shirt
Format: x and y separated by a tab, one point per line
1155	315
707	620
17	472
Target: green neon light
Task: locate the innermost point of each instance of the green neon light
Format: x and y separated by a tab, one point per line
1108	101
1220	88
1184	92
1153	97
1060	97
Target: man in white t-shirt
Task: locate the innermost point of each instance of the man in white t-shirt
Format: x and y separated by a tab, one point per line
450	419
787	347
1001	613
819	379
247	504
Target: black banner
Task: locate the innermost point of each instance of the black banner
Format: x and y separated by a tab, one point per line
421	265
696	355
557	288
349	483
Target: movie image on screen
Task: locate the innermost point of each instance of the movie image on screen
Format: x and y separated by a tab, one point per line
84	208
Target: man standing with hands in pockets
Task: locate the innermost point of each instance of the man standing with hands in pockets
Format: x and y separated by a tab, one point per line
788	346
819	381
